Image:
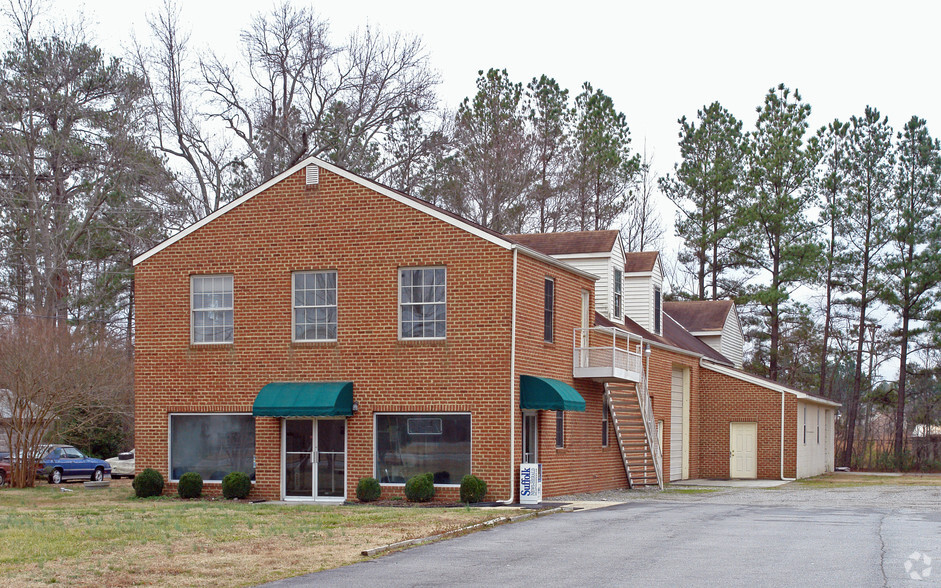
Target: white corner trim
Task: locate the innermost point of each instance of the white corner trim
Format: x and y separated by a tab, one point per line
746	377
344	174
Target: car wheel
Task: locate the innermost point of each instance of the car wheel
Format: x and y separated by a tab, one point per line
113	477
3	477
56	476
99	475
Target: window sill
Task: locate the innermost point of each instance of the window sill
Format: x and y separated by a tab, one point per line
313	344
207	346
422	342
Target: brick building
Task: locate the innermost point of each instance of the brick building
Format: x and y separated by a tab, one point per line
323	328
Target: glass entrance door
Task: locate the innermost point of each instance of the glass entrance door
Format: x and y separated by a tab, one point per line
314	458
530	437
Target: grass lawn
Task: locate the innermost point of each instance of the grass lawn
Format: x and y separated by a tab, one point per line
846	480
108	537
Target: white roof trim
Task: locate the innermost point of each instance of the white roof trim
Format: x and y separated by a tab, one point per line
746	377
551	260
713	333
344	174
600	254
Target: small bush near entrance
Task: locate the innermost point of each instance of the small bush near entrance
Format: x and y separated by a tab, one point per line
368	489
473	489
190	485
236	485
148	483
420	488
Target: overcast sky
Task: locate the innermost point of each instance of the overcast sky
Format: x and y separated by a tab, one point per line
657	60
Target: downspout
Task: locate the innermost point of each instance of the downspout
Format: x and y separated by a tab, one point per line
512	497
782	439
703	365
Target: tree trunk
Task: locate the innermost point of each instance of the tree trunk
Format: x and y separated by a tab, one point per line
900	406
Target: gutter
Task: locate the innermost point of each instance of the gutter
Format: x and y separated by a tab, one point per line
512	497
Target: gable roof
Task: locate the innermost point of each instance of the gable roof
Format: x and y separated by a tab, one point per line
568	243
640	261
674	336
697	316
401	197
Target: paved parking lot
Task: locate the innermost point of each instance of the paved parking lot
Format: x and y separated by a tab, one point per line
733	537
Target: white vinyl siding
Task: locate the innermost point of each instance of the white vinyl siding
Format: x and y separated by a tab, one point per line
732	345
603	266
639	295
676	425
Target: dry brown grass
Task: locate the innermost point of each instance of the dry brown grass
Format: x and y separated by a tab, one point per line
109	538
843	479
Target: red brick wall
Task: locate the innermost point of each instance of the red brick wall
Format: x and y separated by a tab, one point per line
365	237
583	465
725	400
289	228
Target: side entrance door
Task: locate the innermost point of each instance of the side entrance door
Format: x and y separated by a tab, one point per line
676	425
314	459
530	437
743	450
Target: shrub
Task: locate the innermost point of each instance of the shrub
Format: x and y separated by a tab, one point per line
190	485
473	489
420	488
148	483
236	485
368	489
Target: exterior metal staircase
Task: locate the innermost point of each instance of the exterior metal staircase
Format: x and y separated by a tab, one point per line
636	431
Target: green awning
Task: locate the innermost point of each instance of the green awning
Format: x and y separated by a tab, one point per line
548	394
304	399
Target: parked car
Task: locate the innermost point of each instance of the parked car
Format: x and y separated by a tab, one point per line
122	466
6	470
64	462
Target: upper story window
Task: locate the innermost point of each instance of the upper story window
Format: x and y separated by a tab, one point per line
618	283
549	310
315	306
656	310
422	302
211	319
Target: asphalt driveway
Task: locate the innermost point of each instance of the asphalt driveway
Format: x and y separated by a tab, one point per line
781	537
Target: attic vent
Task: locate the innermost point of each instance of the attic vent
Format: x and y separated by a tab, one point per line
313	175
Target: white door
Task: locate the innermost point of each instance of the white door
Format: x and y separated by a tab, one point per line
743	450
676	425
827	446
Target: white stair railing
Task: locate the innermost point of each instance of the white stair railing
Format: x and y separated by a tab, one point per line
650	426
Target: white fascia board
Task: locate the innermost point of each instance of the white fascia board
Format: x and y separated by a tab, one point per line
638	274
745	377
553	261
342	173
714	333
593	255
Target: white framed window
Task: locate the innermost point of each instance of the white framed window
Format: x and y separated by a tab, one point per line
805	425
549	310
409	444
818	426
211	444
422	302
604	422
656	310
315	306
618	284
559	429
211	316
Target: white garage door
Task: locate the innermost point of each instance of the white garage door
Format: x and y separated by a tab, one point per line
676	425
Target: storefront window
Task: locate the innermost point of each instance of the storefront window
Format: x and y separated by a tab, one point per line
212	445
412	444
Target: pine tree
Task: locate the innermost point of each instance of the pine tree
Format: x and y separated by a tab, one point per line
550	117
913	261
781	241
704	190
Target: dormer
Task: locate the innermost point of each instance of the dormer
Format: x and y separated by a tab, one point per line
643	290
596	252
714	322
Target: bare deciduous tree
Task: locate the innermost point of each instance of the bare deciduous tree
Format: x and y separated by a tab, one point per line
47	374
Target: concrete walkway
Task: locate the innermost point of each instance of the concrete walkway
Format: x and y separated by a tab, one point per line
731	483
